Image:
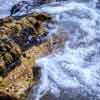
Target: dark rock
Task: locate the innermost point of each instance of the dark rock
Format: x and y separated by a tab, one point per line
36	72
98	4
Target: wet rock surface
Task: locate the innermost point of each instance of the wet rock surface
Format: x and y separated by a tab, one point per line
86	73
9	55
18	81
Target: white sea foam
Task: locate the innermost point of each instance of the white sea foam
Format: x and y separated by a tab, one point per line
78	63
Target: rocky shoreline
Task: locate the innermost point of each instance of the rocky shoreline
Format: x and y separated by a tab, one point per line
19	80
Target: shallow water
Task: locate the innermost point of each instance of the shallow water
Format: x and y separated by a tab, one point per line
75	66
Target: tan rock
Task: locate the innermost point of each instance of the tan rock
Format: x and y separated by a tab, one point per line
19	81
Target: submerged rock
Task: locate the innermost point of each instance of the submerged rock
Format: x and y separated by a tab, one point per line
27	5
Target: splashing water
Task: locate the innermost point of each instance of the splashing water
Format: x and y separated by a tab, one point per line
77	65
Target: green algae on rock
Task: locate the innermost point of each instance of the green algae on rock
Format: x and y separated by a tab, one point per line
18	64
9	55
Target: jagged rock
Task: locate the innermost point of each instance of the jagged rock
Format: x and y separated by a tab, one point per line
25	30
9	55
14	34
19	81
